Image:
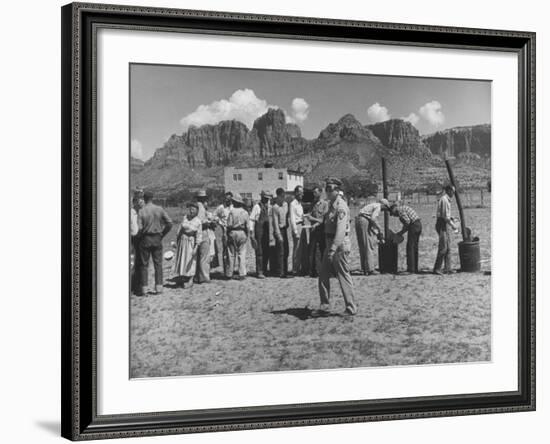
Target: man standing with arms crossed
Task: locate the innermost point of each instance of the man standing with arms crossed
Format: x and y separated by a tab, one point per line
443	225
336	256
154	223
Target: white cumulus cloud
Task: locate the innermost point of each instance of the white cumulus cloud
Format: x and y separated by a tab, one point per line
136	149
378	113
412	118
243	105
300	109
432	112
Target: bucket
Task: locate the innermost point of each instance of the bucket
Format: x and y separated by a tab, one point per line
469	256
387	257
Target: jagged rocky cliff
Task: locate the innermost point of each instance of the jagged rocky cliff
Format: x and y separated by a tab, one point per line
463	139
344	148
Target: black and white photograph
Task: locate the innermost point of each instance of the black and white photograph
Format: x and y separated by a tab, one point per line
295	220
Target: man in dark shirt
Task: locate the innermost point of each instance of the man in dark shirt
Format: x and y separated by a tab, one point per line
154	223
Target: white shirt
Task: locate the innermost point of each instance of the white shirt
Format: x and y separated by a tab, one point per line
222	212
296	216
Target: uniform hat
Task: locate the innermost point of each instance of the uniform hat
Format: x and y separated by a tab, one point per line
334	181
265	193
138	193
201	193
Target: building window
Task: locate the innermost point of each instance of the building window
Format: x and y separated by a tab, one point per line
280	176
260	176
239	177
235	177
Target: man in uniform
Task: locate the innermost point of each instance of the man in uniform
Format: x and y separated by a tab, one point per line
237	237
261	230
154	223
443	225
202	275
317	236
280	226
337	251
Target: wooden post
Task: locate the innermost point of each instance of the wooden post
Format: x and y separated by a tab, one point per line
385	192
481	197
458	202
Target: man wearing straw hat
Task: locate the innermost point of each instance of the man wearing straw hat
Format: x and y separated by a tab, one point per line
154	223
237	237
338	246
444	224
261	230
369	233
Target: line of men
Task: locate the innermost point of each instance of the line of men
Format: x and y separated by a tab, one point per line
229	228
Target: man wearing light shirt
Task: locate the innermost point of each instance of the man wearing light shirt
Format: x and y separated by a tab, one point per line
296	222
279	212
444	224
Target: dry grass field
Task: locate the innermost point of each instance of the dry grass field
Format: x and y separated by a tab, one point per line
267	325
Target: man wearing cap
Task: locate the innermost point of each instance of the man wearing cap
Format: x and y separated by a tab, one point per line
280	232
317	234
203	250
261	230
368	233
336	256
237	237
222	212
413	227
296	222
154	223
443	225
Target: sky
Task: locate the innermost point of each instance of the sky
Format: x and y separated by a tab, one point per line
166	100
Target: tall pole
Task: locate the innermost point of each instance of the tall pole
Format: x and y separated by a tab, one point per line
458	202
385	192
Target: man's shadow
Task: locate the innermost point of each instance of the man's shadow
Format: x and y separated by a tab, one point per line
305	313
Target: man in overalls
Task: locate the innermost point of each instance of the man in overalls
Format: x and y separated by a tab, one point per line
337	251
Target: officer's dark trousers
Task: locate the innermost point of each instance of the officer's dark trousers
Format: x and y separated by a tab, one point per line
136	280
282	253
413	236
261	233
151	245
316	249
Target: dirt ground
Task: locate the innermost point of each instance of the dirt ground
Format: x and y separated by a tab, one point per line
268	325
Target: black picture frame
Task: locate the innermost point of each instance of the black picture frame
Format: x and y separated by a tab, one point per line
80	420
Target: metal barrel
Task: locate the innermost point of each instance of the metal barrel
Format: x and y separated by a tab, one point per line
469	256
387	257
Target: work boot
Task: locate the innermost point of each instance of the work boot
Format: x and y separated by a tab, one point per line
260	276
158	289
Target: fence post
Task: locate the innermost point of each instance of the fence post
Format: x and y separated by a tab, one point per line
482	197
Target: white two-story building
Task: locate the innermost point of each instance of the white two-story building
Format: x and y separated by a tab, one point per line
249	182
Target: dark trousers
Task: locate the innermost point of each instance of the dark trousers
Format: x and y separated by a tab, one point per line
136	281
282	253
261	234
413	235
151	245
444	245
316	243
